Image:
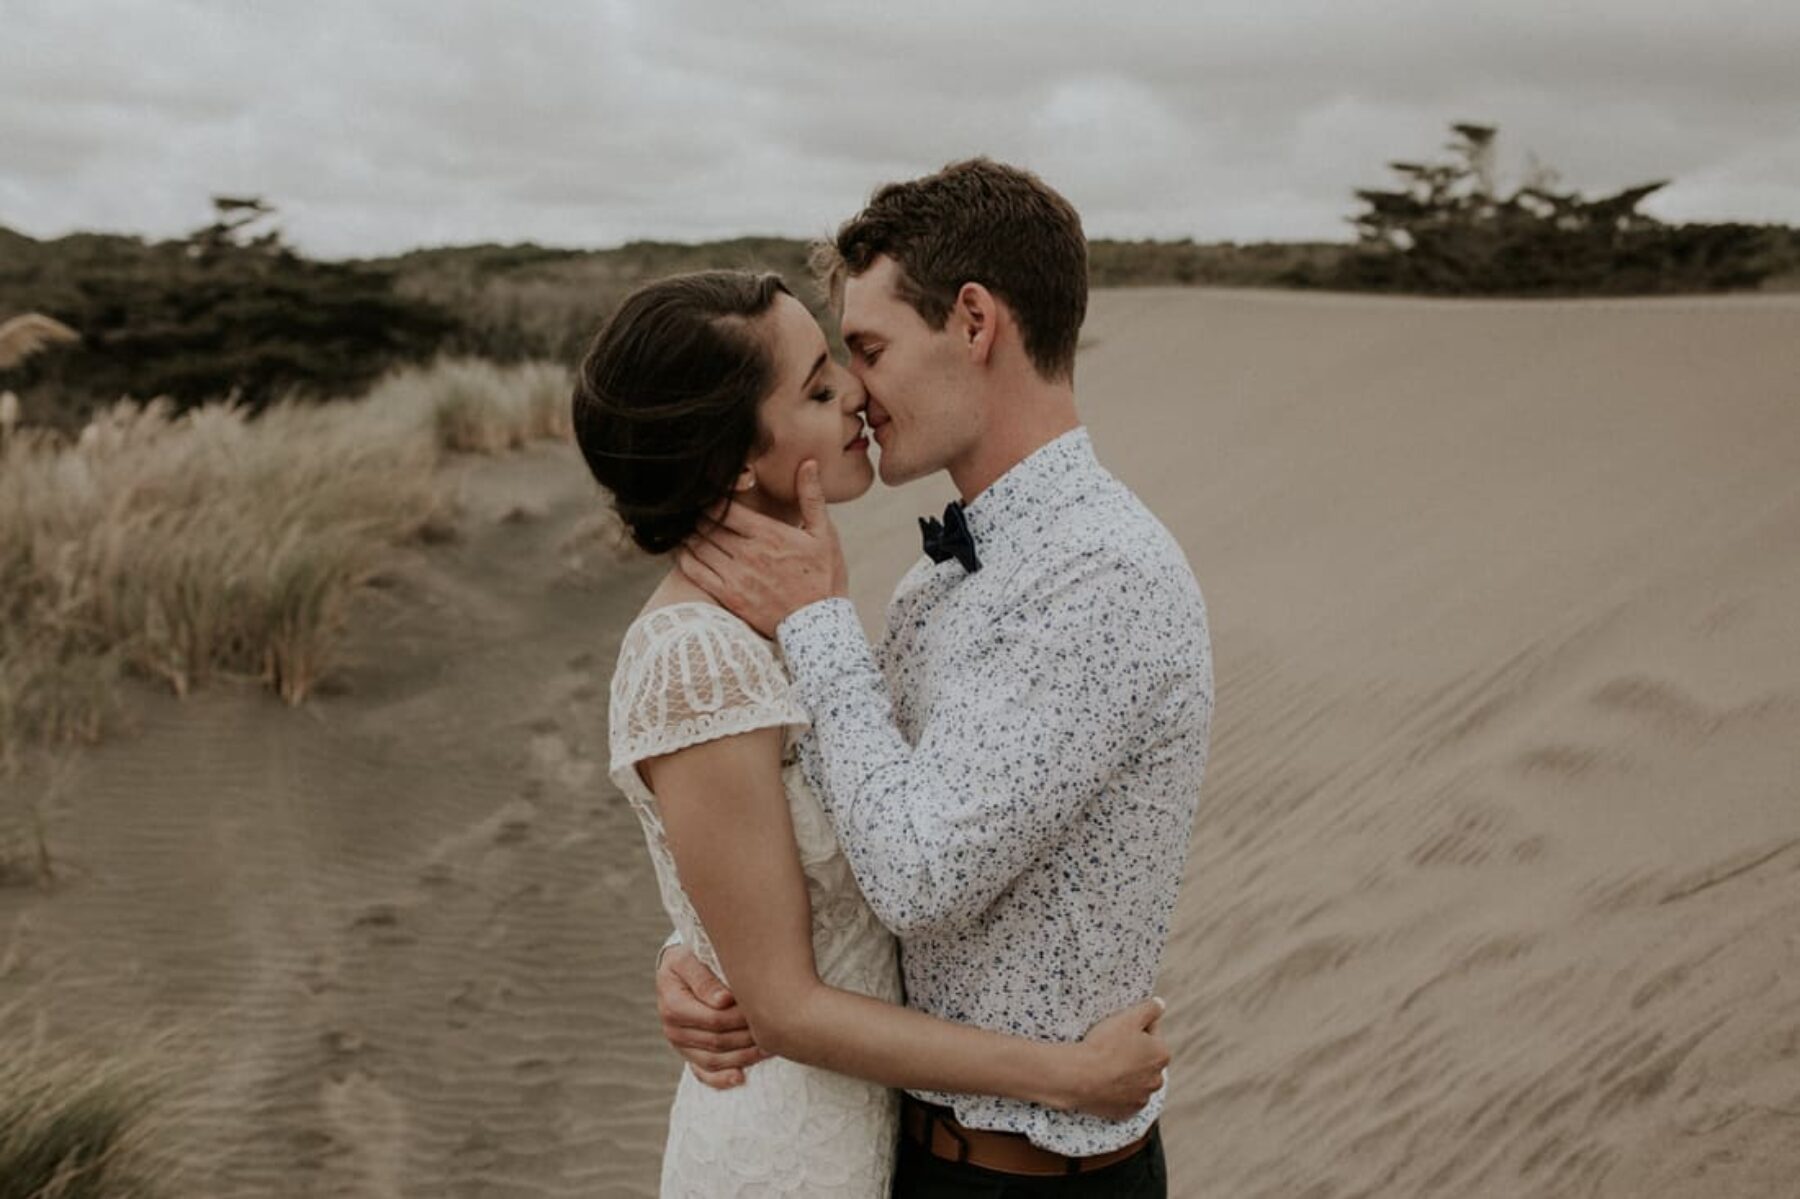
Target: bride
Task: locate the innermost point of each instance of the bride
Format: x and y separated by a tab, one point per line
717	386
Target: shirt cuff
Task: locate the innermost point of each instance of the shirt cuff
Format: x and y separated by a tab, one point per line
823	641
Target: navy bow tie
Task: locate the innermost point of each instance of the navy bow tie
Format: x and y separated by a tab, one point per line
949	539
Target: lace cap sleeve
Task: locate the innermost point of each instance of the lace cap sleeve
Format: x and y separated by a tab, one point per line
690	673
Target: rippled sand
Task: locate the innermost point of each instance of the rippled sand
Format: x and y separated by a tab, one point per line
1496	883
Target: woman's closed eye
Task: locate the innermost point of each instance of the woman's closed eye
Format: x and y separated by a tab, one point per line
825	395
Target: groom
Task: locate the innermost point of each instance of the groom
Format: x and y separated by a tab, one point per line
1013	770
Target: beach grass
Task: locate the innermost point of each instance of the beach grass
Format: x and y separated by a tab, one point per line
180	547
480	407
75	1125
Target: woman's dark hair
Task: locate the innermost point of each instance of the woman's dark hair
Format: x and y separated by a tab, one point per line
665	405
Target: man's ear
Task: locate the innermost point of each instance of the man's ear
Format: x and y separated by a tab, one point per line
978	315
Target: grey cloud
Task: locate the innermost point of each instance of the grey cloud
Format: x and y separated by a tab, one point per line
377	127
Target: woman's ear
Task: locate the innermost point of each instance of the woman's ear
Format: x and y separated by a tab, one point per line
978	319
746	480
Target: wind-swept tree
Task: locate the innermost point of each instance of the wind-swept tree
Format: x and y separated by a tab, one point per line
1449	228
232	218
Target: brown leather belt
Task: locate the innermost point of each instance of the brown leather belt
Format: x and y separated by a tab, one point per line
937	1130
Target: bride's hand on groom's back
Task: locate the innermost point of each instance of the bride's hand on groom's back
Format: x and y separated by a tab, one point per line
1122	1062
702	1021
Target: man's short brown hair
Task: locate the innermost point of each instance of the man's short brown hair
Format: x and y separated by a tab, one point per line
976	221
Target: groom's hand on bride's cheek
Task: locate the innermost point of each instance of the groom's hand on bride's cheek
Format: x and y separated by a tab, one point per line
765	569
702	1021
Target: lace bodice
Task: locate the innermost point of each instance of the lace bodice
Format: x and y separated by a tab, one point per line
689	673
692	672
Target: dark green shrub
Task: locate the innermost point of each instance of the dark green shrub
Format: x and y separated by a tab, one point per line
1449	230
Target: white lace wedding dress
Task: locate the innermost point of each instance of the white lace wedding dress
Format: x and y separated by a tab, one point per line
689	673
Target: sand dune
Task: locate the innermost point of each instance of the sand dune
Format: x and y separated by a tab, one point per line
1496	883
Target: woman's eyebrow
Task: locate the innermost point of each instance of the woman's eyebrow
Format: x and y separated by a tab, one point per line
811	374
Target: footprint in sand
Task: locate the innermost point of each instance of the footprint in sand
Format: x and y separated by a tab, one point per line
512	823
552	758
466	1001
1663	703
383	924
366	1117
320	974
18	953
341	1043
344	1052
458	857
571	688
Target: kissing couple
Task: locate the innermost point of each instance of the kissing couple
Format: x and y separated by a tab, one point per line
920	889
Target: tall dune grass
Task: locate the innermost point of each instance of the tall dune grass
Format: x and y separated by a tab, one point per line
73	1125
183	546
78	1125
479	407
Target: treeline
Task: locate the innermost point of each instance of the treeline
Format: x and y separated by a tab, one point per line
232	310
229	311
529	301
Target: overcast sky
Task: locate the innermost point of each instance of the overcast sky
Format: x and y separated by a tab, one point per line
389	124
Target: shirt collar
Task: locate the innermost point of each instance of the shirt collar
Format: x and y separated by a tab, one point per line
1029	484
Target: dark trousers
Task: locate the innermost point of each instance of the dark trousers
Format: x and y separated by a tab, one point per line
919	1175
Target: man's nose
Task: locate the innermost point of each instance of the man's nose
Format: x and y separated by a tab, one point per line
855	397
